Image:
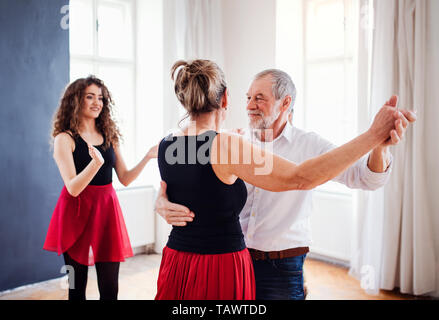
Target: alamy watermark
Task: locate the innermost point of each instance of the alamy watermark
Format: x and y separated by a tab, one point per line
366	17
368	277
65	19
235	150
70	283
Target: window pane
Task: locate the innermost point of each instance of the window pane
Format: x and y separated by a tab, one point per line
325	28
79	69
119	80
81	27
115	30
330	106
350	107
325	100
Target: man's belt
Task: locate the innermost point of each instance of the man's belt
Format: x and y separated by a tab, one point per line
288	253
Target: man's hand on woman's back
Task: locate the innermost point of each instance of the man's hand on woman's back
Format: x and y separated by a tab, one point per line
174	214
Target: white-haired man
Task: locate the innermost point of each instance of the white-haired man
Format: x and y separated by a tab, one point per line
276	224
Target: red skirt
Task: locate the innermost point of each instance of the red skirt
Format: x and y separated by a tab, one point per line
89	227
193	276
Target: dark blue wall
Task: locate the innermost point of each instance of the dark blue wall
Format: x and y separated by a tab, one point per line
34	70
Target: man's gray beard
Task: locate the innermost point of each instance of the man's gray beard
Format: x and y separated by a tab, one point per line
264	122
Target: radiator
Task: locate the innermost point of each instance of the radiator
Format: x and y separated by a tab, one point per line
138	210
331	225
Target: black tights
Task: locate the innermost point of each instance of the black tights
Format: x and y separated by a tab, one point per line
107	274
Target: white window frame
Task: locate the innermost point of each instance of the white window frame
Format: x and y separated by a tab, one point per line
297	62
347	57
94	58
333	211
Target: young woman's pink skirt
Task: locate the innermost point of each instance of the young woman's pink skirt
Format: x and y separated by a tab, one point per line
90	227
193	276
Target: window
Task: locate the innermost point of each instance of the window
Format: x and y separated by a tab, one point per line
108	39
315	45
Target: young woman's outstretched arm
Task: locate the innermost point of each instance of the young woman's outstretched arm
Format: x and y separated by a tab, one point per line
127	176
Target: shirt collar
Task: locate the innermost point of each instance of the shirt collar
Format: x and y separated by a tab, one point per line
287	133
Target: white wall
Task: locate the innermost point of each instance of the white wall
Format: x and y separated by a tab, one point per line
149	59
431	122
249	35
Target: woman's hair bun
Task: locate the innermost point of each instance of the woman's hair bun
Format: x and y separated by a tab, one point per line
199	85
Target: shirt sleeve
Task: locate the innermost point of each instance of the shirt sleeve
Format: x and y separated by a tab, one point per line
358	176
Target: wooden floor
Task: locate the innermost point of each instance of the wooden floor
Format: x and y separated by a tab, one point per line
138	276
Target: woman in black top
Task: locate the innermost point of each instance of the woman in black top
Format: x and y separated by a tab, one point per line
216	229
203	168
87	225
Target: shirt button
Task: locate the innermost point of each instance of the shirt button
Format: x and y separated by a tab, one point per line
257	191
253	214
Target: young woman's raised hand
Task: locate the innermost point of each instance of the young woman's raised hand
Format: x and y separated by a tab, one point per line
95	154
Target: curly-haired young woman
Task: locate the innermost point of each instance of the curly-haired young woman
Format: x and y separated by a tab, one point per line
87	225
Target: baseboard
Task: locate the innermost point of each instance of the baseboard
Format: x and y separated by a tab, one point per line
62	278
328	259
146	249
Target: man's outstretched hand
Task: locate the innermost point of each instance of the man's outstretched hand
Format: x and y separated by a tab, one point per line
379	159
404	117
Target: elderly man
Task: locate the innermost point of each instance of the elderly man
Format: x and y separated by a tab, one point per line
276	225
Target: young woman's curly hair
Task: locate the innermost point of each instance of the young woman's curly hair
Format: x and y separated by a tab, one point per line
66	117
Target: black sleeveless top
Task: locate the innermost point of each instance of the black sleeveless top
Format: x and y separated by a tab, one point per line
184	163
82	158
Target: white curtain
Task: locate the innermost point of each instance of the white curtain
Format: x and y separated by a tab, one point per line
394	245
199	30
192	30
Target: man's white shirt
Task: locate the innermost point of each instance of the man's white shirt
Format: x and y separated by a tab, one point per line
274	221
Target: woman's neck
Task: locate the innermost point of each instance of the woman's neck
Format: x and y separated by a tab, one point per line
203	123
87	125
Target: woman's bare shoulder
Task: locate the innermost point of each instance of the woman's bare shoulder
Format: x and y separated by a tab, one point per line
64	139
